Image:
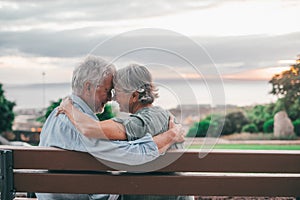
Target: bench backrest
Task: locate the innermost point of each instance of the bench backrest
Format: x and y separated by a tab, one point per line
219	173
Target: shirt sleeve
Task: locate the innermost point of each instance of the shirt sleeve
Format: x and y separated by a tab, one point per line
126	152
135	127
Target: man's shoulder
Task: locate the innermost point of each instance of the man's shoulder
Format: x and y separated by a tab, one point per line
58	131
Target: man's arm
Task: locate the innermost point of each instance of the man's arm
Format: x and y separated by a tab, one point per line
165	140
108	129
134	152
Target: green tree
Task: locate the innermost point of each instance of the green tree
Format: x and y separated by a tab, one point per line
259	114
268	126
200	128
106	114
236	120
7	115
297	127
53	105
232	123
250	128
286	86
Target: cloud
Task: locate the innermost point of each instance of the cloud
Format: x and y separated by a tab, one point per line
64	30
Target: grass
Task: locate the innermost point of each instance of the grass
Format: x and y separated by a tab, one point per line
251	147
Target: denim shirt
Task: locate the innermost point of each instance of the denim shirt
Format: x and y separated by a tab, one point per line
58	131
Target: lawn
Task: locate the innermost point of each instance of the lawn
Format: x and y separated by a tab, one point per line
251	147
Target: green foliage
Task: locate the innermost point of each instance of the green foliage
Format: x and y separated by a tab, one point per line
53	105
228	127
297	127
268	126
106	114
7	115
234	122
199	129
261	113
250	128
293	110
286	86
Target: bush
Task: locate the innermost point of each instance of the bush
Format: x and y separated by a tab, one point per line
259	114
228	127
7	115
234	122
106	114
250	128
268	126
199	129
297	127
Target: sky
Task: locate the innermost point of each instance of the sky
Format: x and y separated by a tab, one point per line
237	39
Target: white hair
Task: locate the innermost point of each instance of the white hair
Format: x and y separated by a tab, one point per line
93	69
136	78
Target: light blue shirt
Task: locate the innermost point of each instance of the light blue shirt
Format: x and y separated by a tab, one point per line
58	131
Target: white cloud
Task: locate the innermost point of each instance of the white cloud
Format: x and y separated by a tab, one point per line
25	69
239	35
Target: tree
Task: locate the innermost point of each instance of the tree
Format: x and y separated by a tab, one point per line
53	105
106	114
286	85
259	114
7	115
199	129
237	121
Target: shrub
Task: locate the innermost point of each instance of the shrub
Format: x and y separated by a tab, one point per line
199	129
228	127
268	126
261	113
7	115
106	114
250	128
234	122
297	127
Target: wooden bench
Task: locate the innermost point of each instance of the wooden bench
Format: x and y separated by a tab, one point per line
220	173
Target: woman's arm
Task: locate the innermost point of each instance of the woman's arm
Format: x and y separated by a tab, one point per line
89	127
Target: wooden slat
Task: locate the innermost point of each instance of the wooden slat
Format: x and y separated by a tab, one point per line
179	160
184	184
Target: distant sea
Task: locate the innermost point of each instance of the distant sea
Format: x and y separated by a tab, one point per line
171	92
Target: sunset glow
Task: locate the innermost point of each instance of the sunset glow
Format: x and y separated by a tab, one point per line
257	74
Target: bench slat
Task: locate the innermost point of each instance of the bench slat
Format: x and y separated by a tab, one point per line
215	161
183	184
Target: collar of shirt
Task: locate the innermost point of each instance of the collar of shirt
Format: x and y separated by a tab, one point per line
78	102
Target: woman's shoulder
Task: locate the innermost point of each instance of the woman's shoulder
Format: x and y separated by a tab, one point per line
153	110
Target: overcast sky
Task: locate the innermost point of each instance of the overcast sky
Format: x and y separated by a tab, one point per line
242	39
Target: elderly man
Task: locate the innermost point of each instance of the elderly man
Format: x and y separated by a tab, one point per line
91	86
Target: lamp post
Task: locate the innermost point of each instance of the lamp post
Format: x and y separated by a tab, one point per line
44	89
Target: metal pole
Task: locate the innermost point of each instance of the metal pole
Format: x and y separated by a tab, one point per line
6	164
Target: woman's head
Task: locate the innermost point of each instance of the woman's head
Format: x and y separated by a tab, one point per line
135	84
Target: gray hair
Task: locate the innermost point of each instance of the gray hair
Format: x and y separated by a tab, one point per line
93	69
136	78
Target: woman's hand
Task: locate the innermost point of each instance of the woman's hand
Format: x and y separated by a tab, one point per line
66	105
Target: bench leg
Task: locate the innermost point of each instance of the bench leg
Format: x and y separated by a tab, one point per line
6	173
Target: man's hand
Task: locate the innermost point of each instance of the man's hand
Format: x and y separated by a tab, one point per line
175	134
177	130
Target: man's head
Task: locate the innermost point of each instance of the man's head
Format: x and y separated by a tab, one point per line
92	81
